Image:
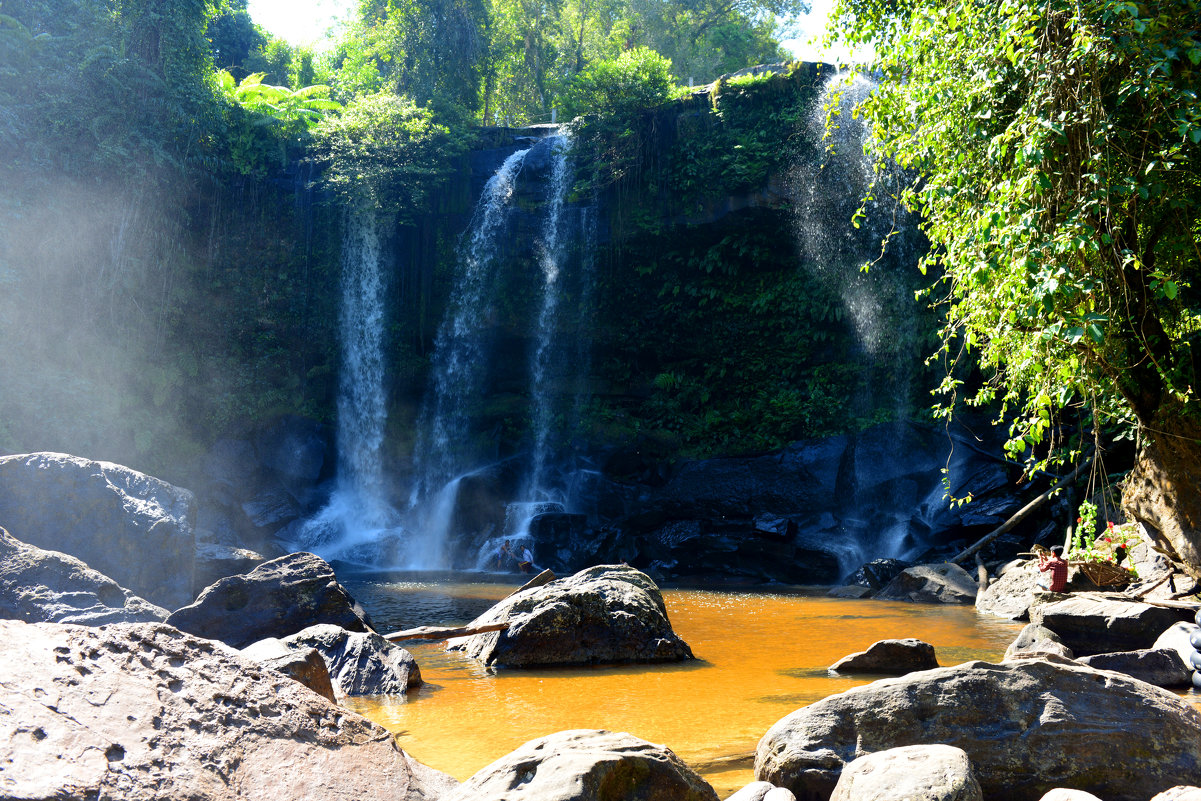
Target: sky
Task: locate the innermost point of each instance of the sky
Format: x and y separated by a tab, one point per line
304	22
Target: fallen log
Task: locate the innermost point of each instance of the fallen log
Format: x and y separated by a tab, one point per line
442	633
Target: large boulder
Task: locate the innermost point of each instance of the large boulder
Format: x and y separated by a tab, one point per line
605	614
586	765
1157	493
1028	726
889	656
39	586
1093	623
1177	638
359	663
277	598
912	772
141	711
133	528
944	583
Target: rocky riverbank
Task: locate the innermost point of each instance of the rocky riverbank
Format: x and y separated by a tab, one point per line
235	692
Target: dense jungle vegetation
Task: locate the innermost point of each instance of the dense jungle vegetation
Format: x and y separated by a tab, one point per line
176	180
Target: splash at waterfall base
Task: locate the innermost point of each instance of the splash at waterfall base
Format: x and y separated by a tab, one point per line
812	513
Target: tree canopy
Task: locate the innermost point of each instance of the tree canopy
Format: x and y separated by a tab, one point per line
1057	149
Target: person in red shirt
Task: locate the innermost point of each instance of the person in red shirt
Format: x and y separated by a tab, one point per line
1053	562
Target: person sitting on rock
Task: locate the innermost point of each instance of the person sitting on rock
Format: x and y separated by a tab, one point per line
527	560
1053	562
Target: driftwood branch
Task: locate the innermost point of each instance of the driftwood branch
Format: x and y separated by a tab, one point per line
437	633
1024	512
545	577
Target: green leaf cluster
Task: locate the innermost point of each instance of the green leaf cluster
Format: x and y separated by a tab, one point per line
1058	146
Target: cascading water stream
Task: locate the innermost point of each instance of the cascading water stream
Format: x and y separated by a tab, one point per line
443	449
877	302
552	254
358	508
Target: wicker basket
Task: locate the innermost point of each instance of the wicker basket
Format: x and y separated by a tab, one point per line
1104	574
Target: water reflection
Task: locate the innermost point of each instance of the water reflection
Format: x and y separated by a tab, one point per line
761	655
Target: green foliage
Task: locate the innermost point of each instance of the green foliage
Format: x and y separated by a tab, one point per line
306	105
385	151
1059	149
637	80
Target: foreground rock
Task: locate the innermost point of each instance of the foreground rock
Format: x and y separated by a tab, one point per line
133	528
359	663
935	584
913	772
1094	623
39	586
895	657
602	615
276	599
587	765
1027	726
139	711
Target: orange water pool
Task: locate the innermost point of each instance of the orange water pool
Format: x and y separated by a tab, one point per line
759	657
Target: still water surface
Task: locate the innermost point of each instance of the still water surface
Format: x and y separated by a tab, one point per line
760	655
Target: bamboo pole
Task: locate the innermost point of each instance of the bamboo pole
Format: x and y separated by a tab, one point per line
1023	513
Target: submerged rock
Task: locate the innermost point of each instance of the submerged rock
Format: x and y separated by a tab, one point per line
143	712
276	599
889	656
39	586
586	765
605	614
133	528
944	583
1028	726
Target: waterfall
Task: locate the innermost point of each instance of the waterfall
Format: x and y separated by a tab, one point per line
444	444
358	509
552	253
878	303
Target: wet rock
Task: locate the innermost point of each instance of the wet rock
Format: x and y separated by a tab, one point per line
276	599
944	583
1162	668
605	614
586	765
304	665
133	528
39	586
877	573
914	772
359	663
1034	641
1027	726
142	712
895	657
1093	623
850	591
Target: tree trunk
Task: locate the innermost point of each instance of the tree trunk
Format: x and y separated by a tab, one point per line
1163	491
